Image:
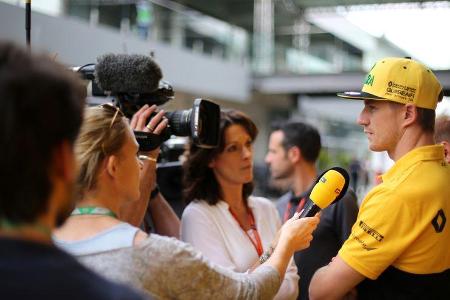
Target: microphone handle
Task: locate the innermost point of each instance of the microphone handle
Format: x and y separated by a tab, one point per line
309	210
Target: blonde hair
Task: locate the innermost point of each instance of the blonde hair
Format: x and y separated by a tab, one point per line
102	133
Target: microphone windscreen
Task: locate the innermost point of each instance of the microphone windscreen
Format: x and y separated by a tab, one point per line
330	185
123	73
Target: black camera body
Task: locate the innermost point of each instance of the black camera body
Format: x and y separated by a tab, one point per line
201	123
135	80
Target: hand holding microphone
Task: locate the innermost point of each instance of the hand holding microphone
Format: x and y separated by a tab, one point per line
330	187
297	233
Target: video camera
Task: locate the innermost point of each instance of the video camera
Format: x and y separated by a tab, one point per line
135	80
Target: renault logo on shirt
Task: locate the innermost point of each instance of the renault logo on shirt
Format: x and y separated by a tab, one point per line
372	232
439	221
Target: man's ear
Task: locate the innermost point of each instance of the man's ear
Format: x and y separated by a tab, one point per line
64	164
294	154
410	114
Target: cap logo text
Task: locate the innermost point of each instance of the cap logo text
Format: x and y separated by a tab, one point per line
401	91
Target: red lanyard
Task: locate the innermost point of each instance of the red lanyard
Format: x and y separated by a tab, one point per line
287	212
256	241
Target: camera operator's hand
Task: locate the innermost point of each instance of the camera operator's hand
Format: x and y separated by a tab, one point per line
141	122
156	124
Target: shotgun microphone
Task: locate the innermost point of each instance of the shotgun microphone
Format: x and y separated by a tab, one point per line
329	188
124	73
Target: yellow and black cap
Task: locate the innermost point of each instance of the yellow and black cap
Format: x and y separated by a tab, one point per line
401	80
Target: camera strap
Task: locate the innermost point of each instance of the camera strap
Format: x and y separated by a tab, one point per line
149	141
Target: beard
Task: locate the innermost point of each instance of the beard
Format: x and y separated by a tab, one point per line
67	206
281	185
284	174
282	180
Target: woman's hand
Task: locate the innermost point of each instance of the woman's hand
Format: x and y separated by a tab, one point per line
155	125
296	234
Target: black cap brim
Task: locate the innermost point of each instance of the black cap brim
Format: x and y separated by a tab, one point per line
359	96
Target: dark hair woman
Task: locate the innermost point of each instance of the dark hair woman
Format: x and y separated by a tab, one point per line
223	221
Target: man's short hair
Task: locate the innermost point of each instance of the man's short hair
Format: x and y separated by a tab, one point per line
425	116
442	130
426	119
41	105
301	135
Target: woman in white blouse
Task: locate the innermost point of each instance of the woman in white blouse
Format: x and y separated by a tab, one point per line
223	221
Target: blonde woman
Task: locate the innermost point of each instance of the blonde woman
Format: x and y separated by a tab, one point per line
109	181
163	267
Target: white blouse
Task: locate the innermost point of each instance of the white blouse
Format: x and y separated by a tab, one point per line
212	230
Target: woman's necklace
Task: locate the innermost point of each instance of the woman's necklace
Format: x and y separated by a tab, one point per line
93	210
254	237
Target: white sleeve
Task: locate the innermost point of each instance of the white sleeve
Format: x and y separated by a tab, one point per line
289	286
199	230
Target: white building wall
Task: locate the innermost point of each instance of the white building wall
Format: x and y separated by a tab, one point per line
74	42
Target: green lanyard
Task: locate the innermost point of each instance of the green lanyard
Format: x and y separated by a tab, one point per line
12	226
93	210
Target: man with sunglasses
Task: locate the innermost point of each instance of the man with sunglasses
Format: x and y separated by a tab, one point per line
41	106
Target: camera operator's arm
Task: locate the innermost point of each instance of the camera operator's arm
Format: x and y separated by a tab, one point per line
165	221
134	212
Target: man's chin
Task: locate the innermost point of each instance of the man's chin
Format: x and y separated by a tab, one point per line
281	184
376	148
277	177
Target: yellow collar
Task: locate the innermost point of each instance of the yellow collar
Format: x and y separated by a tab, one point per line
431	152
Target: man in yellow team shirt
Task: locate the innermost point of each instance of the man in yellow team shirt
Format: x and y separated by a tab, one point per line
399	245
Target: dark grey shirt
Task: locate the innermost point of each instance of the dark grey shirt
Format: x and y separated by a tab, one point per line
30	270
334	228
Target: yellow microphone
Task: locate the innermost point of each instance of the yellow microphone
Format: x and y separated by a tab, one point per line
331	187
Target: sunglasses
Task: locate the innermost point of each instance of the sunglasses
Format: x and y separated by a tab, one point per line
112	108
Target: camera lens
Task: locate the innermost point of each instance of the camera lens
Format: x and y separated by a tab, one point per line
201	123
179	122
